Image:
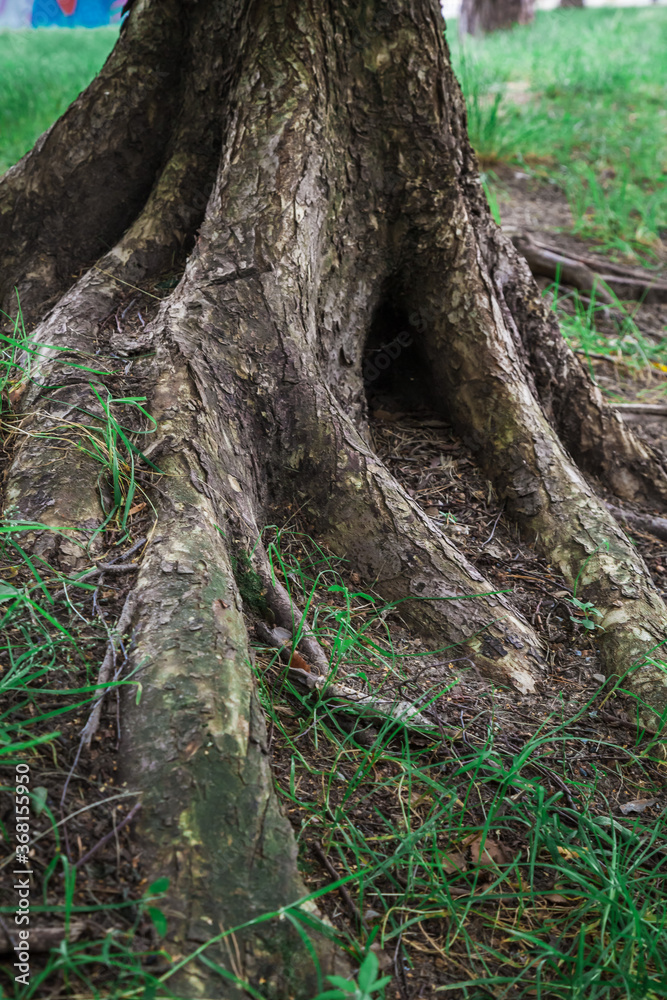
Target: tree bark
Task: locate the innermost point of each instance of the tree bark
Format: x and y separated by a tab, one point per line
305	171
478	17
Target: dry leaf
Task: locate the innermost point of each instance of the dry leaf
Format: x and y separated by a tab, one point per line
416	797
487	853
14	395
297	662
637	806
386	416
192	747
219	606
566	853
453	862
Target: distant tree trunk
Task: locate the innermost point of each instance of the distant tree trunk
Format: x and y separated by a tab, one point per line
298	169
571	3
480	16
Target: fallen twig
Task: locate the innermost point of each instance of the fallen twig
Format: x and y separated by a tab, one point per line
42	938
583	273
550	263
112	833
115	565
368	705
647	409
104	674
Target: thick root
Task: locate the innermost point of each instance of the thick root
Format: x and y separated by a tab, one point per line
198	731
108	146
363	513
479	374
194	741
592	431
157	237
52	483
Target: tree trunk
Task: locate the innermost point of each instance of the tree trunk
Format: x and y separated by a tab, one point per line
571	3
479	16
307	168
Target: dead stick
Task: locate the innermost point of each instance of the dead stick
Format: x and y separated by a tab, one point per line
587	275
104	674
372	706
331	868
649	409
92	725
130	816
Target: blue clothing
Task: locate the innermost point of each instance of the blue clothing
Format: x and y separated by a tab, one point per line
86	13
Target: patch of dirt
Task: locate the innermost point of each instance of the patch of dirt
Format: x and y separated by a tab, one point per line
530	204
527	204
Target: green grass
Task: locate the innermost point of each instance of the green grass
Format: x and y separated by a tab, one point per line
580	319
579	97
462	844
466	845
41	72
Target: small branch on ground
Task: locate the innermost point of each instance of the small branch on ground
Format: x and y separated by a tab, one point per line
644	409
330	867
289	617
369	705
583	274
112	833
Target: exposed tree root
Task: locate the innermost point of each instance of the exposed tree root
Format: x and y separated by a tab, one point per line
362	513
589	427
642	409
287	615
44	486
643	522
111	140
199	732
488	397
